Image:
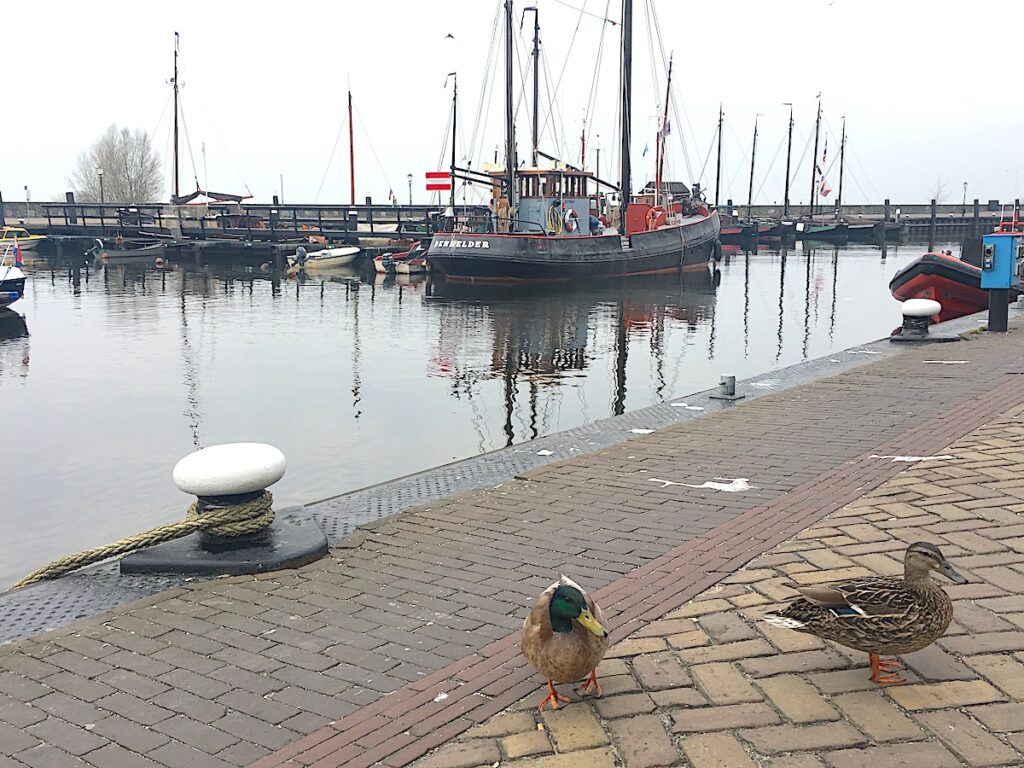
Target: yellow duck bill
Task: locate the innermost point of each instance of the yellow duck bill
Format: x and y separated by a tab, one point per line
586	618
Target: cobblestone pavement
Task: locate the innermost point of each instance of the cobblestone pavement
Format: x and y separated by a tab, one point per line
342	662
709	686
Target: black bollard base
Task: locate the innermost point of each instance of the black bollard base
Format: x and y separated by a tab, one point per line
292	540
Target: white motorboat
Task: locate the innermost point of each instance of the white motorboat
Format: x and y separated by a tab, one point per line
12	279
328	257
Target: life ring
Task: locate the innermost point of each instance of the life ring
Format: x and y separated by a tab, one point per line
655	218
571	220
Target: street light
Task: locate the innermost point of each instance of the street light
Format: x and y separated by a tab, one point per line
99	172
963	205
409	179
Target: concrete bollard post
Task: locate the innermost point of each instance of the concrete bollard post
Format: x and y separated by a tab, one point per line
727	389
228	476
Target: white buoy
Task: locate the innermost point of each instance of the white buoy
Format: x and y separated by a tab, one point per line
230	469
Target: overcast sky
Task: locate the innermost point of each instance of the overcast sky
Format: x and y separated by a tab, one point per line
265	88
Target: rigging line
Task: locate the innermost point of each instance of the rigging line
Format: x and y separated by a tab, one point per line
568	55
162	113
188	142
588	13
707	158
867	179
676	111
444	148
556	113
337	141
767	174
484	81
522	75
800	161
592	97
224	145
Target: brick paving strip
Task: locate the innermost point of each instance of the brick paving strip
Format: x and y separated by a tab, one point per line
709	686
340	663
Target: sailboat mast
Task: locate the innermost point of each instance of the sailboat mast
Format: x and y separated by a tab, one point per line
789	154
814	157
750	189
536	81
842	153
626	129
455	122
718	166
351	153
510	130
175	82
661	135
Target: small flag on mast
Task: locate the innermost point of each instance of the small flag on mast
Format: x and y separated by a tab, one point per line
439	181
18	260
666	129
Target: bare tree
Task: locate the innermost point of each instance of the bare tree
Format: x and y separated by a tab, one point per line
131	168
939	195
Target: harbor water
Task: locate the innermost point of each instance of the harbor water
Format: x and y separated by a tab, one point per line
111	373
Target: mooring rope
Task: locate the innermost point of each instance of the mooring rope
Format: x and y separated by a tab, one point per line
230	520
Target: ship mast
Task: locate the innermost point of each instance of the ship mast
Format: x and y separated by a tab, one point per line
661	136
455	122
510	129
842	158
625	131
351	153
536	79
175	82
814	157
789	153
718	166
750	189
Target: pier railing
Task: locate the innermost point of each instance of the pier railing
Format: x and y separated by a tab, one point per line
255	222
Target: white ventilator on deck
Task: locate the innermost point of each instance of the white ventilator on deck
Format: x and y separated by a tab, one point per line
921	308
229	469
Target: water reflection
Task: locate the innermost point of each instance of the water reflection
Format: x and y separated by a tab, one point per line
14	347
360	378
540	335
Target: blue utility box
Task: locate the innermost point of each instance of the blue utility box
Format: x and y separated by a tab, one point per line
1002	258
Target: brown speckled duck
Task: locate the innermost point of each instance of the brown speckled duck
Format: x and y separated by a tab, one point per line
564	638
881	614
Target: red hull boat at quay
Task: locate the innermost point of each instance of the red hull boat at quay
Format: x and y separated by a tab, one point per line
954	283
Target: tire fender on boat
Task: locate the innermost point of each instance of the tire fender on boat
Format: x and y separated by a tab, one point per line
718	250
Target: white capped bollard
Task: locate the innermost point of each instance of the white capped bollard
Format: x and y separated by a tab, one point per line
243	534
917	316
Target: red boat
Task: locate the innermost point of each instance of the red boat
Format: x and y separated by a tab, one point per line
955	284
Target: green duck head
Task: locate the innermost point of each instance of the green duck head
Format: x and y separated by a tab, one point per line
568	603
922	558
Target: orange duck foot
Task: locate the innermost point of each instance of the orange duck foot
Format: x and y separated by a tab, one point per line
878	665
553	698
590	685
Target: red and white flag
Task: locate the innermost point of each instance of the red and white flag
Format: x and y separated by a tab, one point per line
439	181
18	260
824	189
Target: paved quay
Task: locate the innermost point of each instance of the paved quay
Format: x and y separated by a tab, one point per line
405	637
709	686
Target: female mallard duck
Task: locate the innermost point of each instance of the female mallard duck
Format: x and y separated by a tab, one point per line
881	614
564	638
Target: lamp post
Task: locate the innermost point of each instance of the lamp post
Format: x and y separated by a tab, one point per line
26	203
99	172
963	205
409	179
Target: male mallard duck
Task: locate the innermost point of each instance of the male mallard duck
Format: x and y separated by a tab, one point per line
565	638
880	614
